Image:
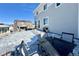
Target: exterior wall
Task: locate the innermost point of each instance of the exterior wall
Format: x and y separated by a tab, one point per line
41	14
39	9
64	18
61	19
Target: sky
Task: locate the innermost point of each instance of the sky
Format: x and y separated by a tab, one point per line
12	11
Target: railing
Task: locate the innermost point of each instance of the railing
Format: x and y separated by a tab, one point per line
76	38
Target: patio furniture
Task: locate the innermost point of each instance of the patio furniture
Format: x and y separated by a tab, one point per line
62	46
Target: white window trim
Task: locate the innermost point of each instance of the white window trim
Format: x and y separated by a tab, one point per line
58	6
49	5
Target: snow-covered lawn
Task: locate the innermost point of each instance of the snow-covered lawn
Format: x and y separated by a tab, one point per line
9	42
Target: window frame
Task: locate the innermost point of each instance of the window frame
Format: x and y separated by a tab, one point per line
37	13
45	7
44	22
38	23
58	5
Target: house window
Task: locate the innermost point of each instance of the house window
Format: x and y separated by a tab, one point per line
39	24
45	21
45	6
35	24
57	4
36	13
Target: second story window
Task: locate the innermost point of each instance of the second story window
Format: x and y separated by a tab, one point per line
36	13
45	21
45	6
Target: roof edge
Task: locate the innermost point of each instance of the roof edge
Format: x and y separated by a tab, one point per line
37	7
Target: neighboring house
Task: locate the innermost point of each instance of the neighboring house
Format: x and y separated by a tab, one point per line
57	17
22	25
4	29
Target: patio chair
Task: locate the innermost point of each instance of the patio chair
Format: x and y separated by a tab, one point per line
62	46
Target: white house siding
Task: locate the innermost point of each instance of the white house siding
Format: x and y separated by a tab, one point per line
64	18
38	17
43	14
61	19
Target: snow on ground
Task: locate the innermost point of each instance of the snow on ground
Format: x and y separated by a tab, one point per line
9	42
76	49
39	32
